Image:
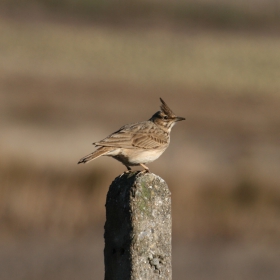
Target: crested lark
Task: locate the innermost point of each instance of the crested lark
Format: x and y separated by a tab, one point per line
138	143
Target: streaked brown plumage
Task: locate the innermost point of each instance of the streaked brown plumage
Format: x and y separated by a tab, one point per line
139	143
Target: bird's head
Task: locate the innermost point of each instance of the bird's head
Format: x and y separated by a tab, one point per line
165	118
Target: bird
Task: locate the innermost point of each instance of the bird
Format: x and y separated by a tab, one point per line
139	143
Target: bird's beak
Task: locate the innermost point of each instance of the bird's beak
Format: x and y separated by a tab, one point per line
177	119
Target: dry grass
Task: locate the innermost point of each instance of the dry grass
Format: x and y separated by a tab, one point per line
201	61
49	201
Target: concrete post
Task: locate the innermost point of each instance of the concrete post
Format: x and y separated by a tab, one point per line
138	228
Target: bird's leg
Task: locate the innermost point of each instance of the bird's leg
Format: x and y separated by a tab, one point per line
128	169
146	169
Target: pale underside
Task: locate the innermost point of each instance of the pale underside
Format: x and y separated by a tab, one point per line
131	157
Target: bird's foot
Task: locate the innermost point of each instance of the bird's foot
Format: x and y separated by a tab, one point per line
146	169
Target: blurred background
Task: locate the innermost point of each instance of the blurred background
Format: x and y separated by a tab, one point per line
71	72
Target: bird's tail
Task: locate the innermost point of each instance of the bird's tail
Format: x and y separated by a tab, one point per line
98	153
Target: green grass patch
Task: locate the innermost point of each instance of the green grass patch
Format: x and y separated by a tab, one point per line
227	14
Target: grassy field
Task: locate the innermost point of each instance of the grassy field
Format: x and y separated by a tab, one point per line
214	62
65	84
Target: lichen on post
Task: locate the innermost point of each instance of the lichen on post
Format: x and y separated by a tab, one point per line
138	228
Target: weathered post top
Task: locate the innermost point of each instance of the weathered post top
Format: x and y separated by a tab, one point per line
138	228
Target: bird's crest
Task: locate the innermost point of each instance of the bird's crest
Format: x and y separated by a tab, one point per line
165	109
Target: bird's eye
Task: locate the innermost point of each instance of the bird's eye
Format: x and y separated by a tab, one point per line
165	117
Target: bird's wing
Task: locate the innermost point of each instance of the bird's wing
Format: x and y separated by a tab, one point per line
135	136
148	141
